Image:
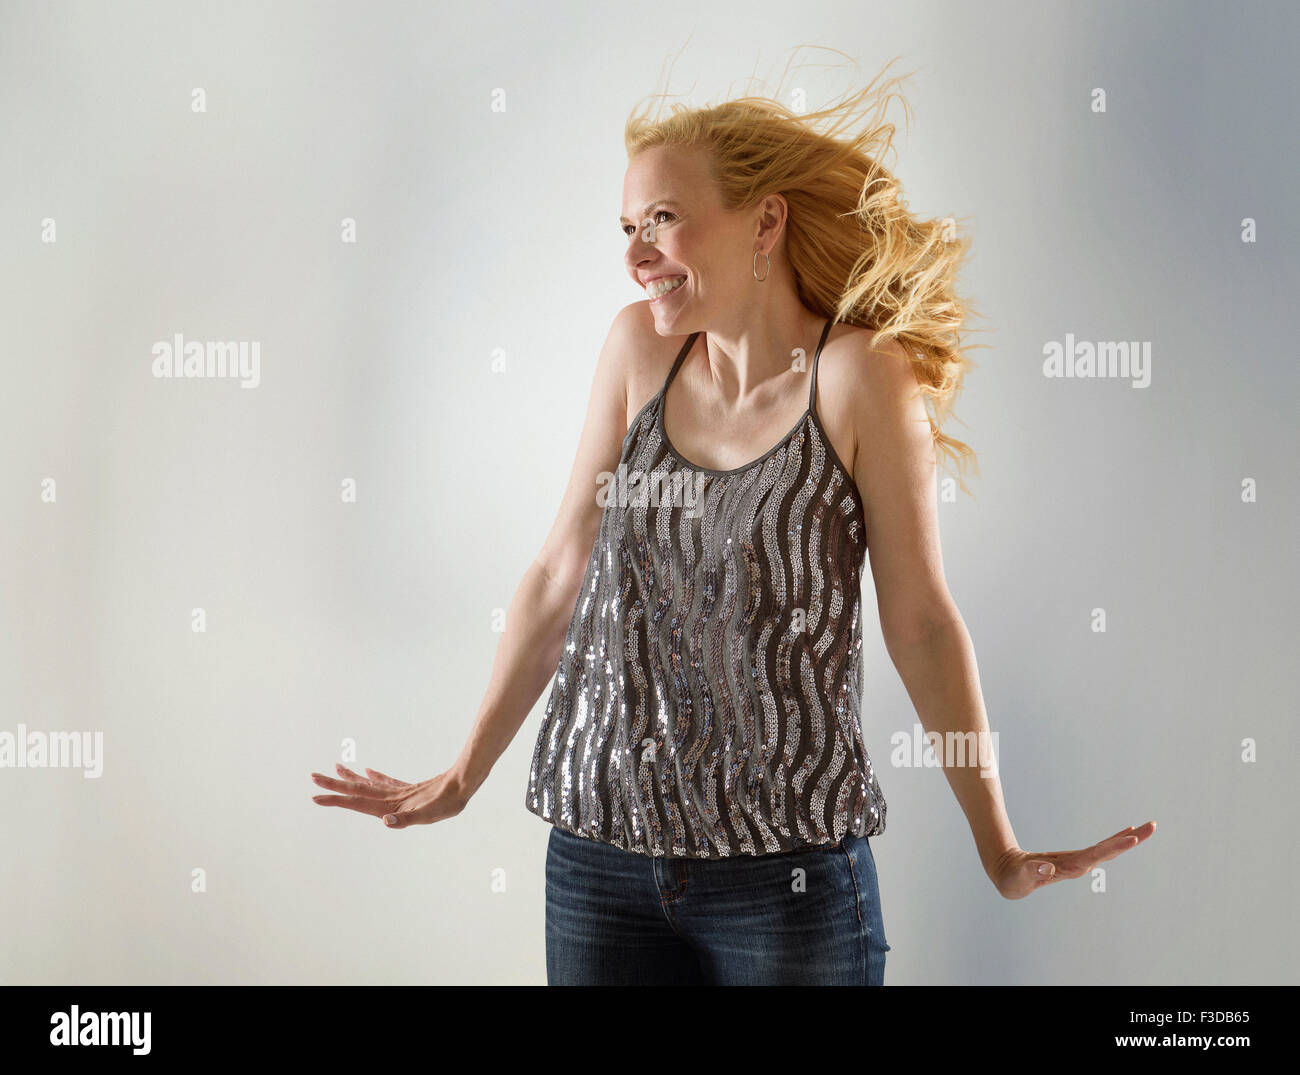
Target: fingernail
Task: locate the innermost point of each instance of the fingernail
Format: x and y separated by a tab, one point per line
389	819
1045	868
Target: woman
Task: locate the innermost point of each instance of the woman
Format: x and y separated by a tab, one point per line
701	760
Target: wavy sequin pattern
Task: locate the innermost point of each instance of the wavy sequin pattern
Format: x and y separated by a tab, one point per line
707	698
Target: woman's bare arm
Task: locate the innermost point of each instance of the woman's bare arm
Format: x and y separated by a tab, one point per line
927	640
539	614
537	618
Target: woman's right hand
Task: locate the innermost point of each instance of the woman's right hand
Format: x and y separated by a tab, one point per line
396	802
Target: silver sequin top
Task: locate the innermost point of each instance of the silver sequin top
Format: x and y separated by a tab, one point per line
706	703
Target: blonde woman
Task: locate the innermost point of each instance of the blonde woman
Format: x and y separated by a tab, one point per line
757	426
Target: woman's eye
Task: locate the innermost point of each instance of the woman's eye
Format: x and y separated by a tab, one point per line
627	228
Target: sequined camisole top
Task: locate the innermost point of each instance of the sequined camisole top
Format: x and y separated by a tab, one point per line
706	702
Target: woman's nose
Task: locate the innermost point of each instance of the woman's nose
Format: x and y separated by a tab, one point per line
638	256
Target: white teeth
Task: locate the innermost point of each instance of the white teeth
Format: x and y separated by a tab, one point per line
661	287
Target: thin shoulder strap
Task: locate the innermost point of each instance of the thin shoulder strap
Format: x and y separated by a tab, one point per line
812	391
690	342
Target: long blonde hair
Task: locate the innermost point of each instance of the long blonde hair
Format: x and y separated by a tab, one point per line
856	251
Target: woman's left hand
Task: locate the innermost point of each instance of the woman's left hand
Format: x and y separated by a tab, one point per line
1017	873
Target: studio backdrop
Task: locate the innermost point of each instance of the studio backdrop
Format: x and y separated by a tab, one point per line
398	223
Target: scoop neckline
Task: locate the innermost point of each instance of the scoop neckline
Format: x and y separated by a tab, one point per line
810	413
663	434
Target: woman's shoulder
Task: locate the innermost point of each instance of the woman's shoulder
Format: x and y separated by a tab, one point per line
851	367
854	379
647	357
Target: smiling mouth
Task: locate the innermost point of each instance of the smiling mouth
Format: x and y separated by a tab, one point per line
658	288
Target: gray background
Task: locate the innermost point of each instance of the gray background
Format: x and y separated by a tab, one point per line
481	231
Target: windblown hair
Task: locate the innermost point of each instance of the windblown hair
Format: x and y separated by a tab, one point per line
856	251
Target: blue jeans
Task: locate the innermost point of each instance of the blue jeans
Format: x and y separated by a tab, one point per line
809	917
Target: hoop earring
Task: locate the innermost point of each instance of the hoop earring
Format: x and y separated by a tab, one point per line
760	279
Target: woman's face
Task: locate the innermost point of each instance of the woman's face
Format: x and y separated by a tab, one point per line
677	231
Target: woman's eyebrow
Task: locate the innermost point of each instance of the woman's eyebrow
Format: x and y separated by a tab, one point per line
648	210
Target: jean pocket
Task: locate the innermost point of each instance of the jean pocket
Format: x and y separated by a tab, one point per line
862	865
853	876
